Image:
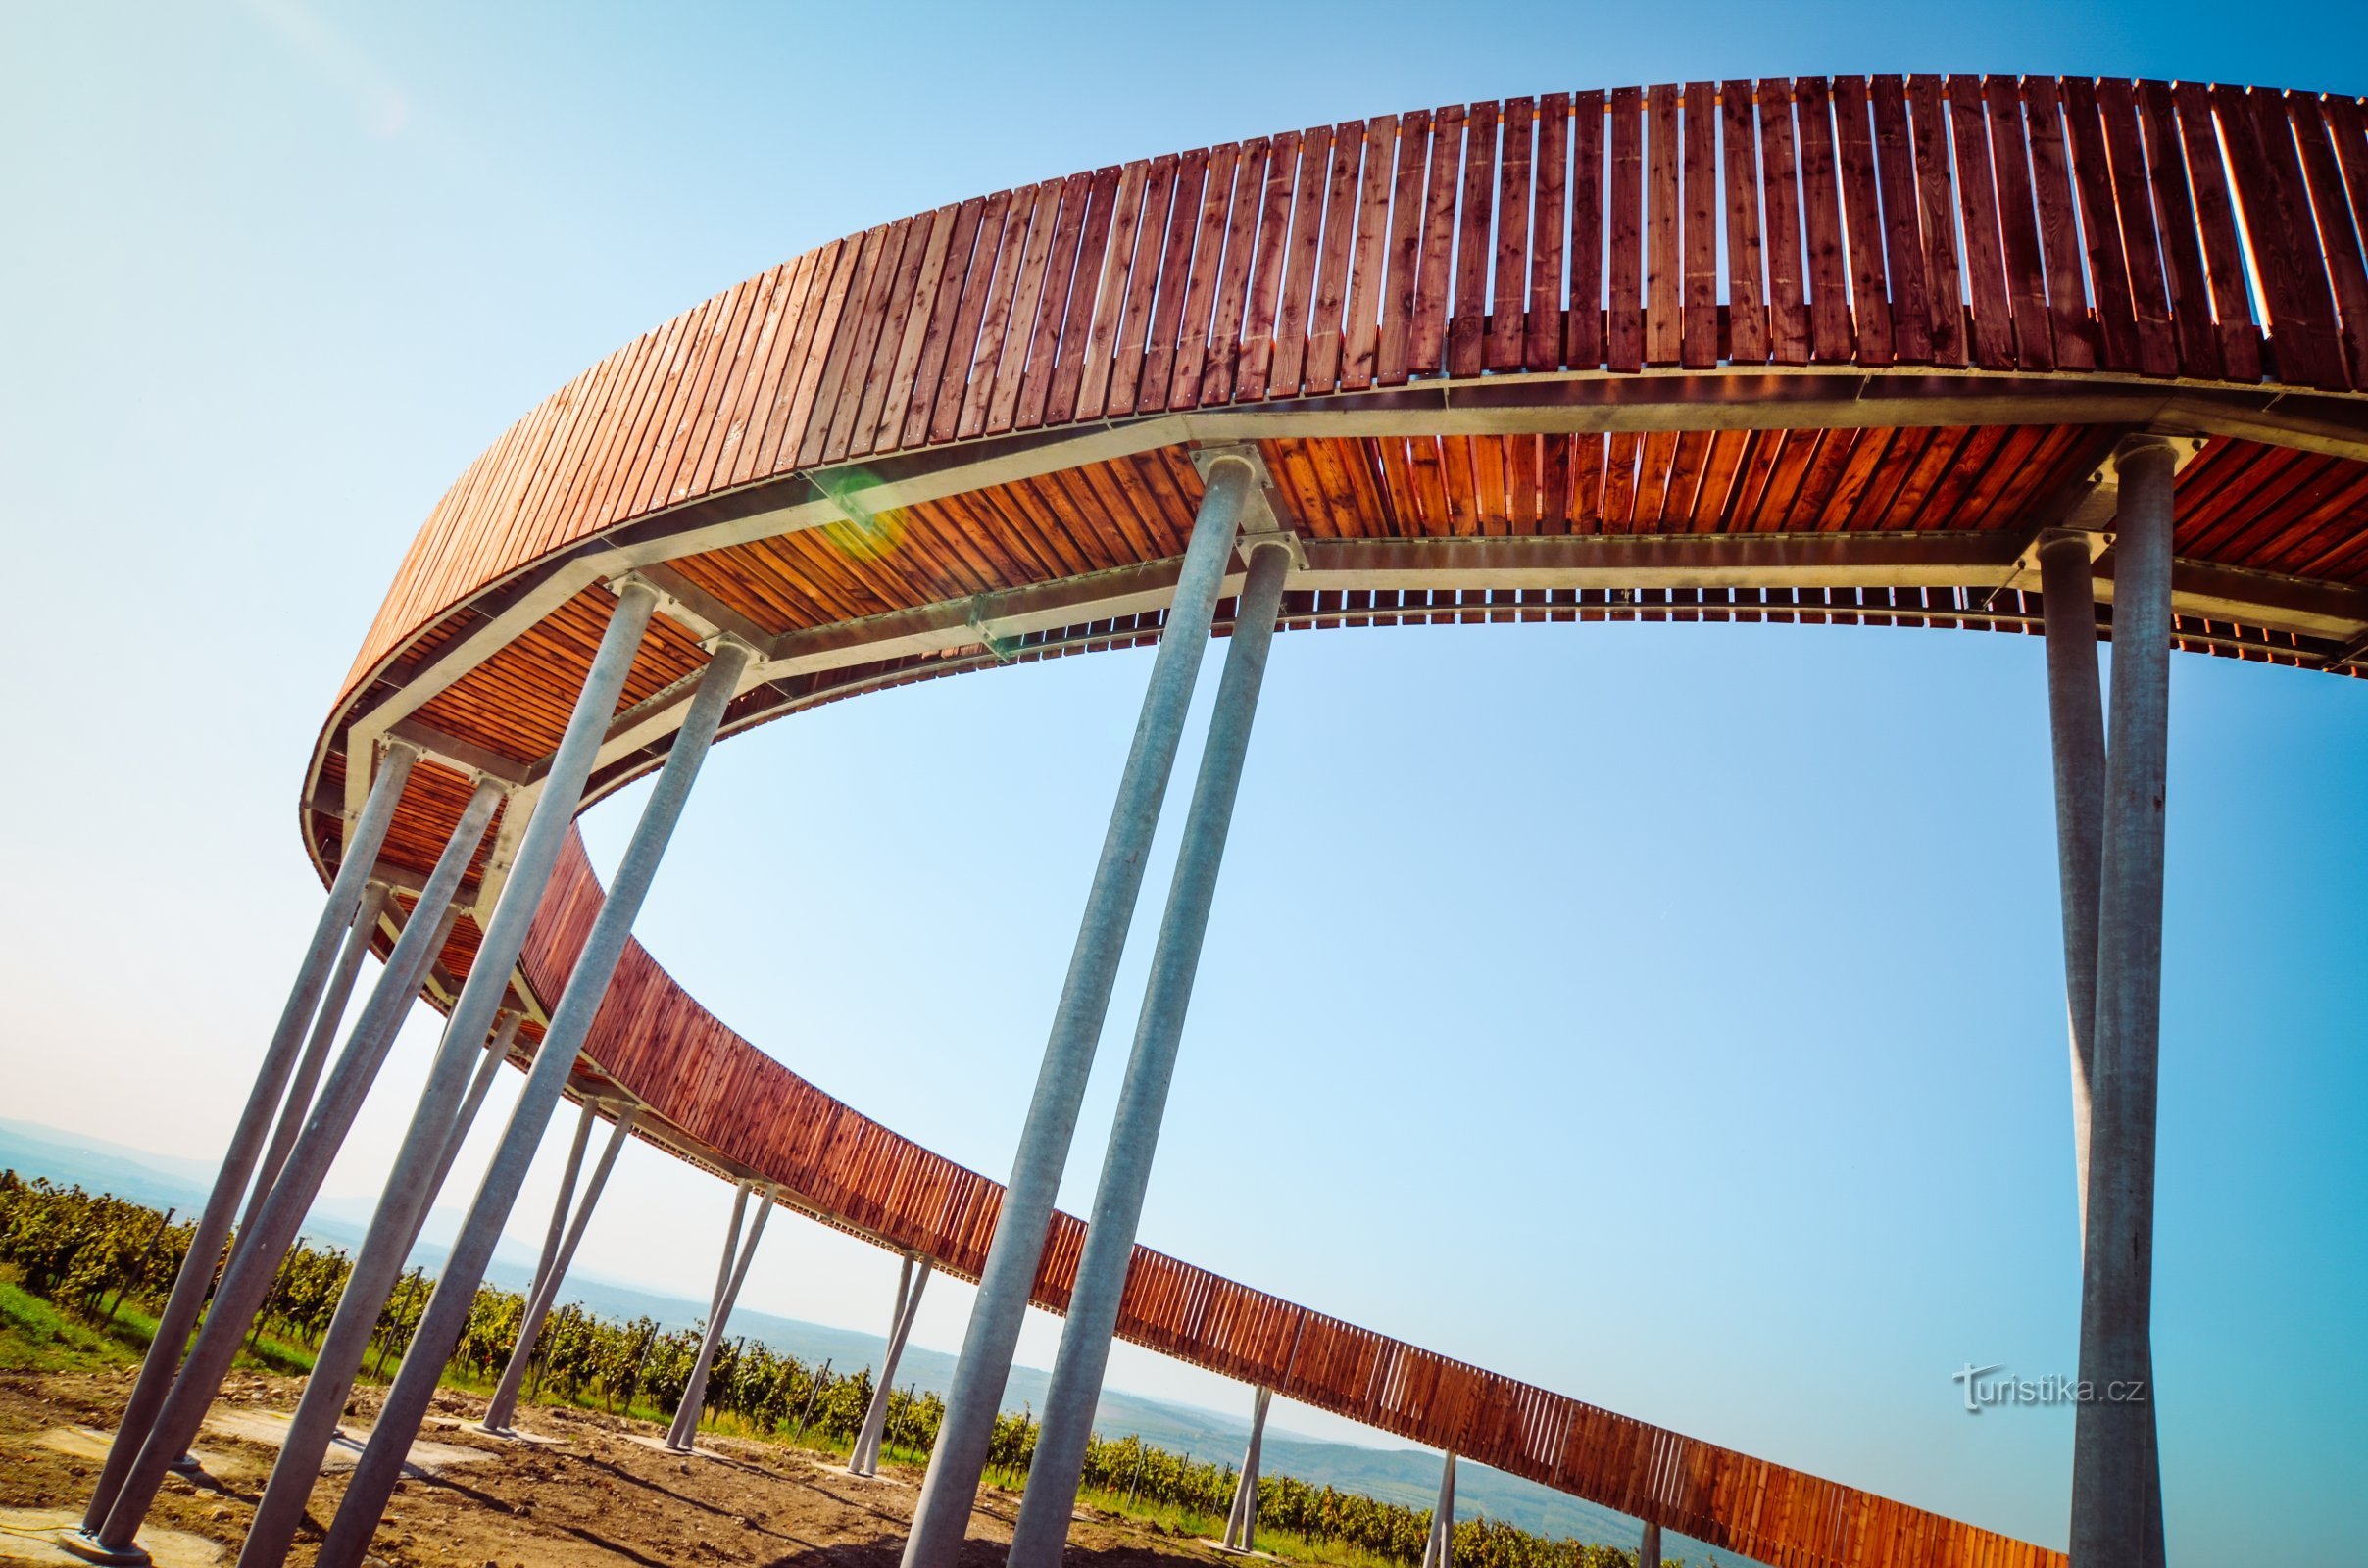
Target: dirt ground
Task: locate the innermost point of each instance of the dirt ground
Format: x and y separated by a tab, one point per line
600	1493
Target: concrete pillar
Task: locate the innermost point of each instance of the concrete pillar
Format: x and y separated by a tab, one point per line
2112	1448
248	1279
943	1511
187	1298
1075	1388
1648	1549
446	1314
866	1459
694	1393
1241	1521
539	1301
1439	1552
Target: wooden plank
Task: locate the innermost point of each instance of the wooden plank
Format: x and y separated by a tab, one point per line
2284	242
2339	239
1862	212
1747	300
1910	282
1939	214
2074	332
1467	308
2216	222
1325	324
1831	324
1426	347
1130	350
917	392
1361	333
2101	227
962	340
1089	276
1542	347
994	321
1233	279
850	346
1023	380
1625	337
906	317
2018	222
1664	270
1698	203
2190	301
2150	298
1266	281
1789	338
1993	333
1113	293
1306	259
1584	323
1506	324
1175	271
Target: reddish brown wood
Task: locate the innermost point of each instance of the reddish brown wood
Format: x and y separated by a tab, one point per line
1832	329
1748	314
1938	212
1366	274
2074	332
1467	306
1625	338
2174	221
1426	347
1584	321
2216	224
1861	203
1266	273
1305	258
1542	347
1699	207
1664	248
2150	298
1994	325
1326	322
1506	327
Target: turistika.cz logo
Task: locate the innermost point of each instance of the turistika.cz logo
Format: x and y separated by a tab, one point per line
1983	1392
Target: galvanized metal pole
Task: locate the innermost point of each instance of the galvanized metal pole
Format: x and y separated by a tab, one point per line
866	1459
694	1394
489	1066
381	1462
2112	1451
1241	1521
255	1264
724	1281
1648	1549
503	1410
943	1512
1438	1549
1050	1500
187	1298
566	1197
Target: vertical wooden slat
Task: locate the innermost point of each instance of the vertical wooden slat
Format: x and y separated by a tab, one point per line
1367	277
2175	221
1022	338
1305	258
1131	348
2285	243
1909	285
1002	280
1748	329
1325	326
1175	270
1698	204
2075	333
1584	323
2101	227
898	353
1468	310
1937	211
2018	224
1506	324
2150	299
953	382
2216	222
1863	208
1831	324
1233	286
1665	275
2339	239
1626	306
1985	246
1426	346
1113	291
1266	287
918	394
1087	308
1789	334
1200	290
1542	348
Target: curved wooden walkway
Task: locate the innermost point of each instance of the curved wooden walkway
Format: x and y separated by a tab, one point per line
1815	350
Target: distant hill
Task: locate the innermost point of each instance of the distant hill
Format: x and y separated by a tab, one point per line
1405	1475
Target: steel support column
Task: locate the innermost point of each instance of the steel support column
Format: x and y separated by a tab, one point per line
255	1263
943	1511
866	1459
1134	1137
1438	1549
1648	1548
440	1330
1241	1520
187	1298
497	1051
502	1409
694	1393
2112	1450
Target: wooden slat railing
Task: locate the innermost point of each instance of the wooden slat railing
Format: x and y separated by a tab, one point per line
652	1038
2035	225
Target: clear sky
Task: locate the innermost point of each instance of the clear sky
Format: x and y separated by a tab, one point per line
1670	1015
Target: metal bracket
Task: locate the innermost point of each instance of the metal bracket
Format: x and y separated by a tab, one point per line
1267	520
698	612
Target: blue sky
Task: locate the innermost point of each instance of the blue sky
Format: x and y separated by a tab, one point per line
1671	1016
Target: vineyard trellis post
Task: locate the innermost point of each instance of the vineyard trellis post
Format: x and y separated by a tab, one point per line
950	1486
694	1393
447	1315
195	1282
502	1409
1051	1501
865	1459
255	1264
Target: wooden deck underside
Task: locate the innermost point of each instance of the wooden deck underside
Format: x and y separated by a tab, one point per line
1816	351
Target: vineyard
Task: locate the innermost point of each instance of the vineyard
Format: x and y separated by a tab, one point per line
90	1254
